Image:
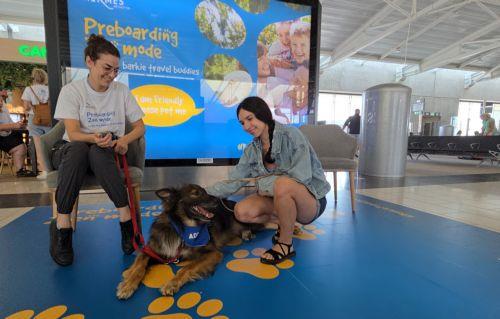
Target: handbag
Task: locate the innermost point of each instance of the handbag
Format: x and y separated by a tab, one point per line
56	153
42	112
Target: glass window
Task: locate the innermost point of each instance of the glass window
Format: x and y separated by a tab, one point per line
468	117
334	108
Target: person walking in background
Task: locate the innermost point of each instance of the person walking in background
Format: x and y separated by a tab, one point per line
36	93
489	127
353	123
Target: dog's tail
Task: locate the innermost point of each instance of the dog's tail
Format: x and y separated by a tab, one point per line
132	277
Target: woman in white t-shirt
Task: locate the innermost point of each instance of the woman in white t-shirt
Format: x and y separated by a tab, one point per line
94	111
36	93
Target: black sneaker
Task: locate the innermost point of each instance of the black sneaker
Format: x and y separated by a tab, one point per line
61	244
25	173
127	230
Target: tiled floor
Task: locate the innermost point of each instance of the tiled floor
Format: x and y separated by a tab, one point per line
475	204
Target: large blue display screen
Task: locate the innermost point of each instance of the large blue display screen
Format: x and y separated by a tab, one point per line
189	64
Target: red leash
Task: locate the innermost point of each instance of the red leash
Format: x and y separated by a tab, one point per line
138	237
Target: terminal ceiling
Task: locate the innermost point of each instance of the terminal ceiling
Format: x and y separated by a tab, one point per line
424	34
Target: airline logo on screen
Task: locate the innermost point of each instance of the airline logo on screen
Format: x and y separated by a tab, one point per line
110	4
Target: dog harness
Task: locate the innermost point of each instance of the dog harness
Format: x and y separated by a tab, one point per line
197	236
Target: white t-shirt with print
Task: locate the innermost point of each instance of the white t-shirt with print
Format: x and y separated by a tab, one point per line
5	119
98	111
42	91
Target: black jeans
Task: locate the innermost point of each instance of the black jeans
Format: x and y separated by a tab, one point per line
77	159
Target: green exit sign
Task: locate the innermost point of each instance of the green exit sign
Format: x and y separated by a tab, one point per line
33	51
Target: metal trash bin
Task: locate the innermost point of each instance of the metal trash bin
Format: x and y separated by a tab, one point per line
384	130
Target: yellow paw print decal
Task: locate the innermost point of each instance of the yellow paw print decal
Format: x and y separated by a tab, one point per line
51	313
186	303
254	267
158	275
307	232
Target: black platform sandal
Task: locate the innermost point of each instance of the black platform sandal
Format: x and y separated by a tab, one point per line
296	231
276	236
278	257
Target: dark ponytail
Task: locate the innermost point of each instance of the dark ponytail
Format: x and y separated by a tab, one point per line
97	45
260	109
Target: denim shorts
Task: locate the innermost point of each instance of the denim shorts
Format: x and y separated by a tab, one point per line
321	205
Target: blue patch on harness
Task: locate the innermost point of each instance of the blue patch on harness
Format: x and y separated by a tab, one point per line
197	236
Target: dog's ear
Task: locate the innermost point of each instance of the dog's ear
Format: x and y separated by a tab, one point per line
169	196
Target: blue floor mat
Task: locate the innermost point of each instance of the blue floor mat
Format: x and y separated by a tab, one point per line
384	261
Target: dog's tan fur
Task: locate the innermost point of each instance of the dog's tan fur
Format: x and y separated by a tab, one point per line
165	242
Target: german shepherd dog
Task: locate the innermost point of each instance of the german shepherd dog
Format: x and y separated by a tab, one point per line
189	206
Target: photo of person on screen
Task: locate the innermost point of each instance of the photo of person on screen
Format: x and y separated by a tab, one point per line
265	75
283	73
279	52
300	37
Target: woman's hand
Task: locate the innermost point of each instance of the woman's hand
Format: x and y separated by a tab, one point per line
121	146
17	125
105	141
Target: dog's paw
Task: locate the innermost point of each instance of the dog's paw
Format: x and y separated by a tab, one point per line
247	235
124	290
170	288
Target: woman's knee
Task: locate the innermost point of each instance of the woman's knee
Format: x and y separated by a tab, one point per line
244	213
19	150
97	153
284	186
76	152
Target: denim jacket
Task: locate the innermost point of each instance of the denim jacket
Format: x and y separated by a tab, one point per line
294	157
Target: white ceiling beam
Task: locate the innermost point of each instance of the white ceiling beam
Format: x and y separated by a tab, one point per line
454	6
382	26
481	76
360	39
419	33
21	20
397	8
379	16
477	58
487	10
455	51
482	41
494	2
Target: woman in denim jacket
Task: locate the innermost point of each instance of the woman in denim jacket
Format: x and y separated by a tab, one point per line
287	173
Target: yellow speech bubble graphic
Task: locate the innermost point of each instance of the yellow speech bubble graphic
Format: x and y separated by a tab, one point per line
165	105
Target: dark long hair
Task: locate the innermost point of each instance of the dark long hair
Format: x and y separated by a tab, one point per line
261	110
97	45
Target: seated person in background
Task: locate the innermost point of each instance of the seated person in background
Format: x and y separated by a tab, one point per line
12	142
94	111
290	181
489	127
35	94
